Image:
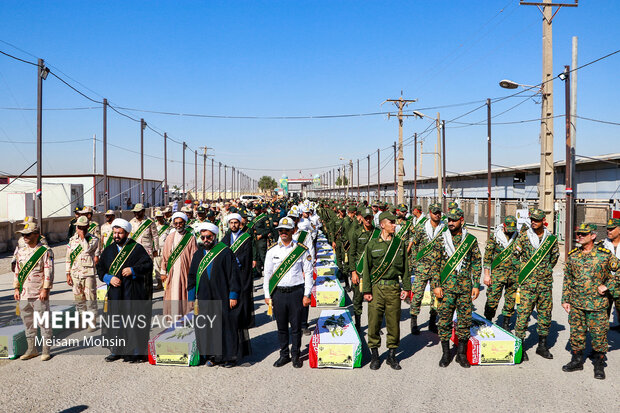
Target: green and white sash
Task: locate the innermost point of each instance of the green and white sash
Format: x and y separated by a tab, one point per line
285	266
239	241
29	266
457	257
162	229
176	252
207	260
536	258
255	220
141	228
360	264
74	254
428	247
386	262
421	222
404	228
503	256
121	257
92	226
109	240
302	236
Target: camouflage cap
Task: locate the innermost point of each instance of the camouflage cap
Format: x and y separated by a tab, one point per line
29	228
510	223
455	214
417	206
613	223
537	214
585	228
402	207
364	212
88	210
109	212
392	209
387	215
352	208
376	203
81	221
452	205
436	207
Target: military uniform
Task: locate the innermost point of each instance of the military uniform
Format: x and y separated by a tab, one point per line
82	269
615	250
359	239
504	275
148	237
385	294
260	232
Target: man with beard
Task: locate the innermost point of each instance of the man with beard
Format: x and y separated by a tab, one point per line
143	230
177	255
106	230
127	269
213	285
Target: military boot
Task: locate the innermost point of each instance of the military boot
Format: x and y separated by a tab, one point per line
358	325
542	349
524	356
506	323
599	365
375	362
461	354
45	354
31	352
432	321
391	359
489	313
415	330
576	362
445	357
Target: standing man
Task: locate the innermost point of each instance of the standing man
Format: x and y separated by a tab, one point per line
612	243
287	285
33	279
21	242
536	252
93	227
500	273
143	230
456	285
127	269
76	215
163	230
425	237
418	217
338	228
384	263
176	258
588	275
106	231
260	232
80	267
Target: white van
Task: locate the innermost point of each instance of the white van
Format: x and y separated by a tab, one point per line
246	199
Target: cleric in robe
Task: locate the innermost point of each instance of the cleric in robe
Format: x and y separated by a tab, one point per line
215	271
127	269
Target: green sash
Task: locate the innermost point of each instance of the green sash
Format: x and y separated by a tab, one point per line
457	257
386	262
162	229
74	254
121	257
109	240
360	264
255	220
536	258
141	228
176	252
29	266
302	236
217	222
206	261
239	241
427	248
404	229
92	226
421	222
507	252
285	265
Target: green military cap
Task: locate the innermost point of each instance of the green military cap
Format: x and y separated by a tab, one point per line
613	223
452	205
376	203
417	206
585	228
365	211
342	207
537	214
352	208
511	223
402	207
436	207
386	215
392	209
455	214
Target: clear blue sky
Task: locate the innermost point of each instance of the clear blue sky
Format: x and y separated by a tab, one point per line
288	58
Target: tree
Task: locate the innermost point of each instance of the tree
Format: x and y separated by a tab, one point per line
342	181
267	183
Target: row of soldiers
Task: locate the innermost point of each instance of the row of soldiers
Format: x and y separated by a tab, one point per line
391	255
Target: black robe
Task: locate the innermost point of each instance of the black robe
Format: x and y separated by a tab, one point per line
133	297
246	296
217	282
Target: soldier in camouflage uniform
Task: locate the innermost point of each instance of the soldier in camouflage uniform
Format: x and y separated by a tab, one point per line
80	267
93	227
536	290
148	236
612	243
460	287
359	238
588	274
21	243
500	273
106	231
424	258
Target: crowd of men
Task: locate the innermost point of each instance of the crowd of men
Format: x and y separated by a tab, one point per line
385	254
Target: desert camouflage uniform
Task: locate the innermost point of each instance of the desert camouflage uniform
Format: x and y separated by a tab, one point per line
83	271
148	237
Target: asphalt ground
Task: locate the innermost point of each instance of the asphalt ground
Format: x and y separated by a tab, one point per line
70	382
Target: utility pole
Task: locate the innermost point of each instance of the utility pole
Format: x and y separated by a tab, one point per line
94	154
368	181
225	188
142	126
184	145
568	228
546	183
400	104
358	180
219	180
438	163
395	183
195	174
378	174
443	162
106	200
165	169
212	181
573	106
415	167
42	73
204	174
488	169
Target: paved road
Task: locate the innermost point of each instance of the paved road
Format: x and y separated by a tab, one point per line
83	382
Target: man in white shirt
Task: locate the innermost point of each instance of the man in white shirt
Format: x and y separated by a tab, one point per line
287	285
612	243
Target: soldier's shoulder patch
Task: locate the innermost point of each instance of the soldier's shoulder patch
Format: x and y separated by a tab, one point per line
605	250
571	252
272	246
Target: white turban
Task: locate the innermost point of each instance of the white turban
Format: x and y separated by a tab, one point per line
207	226
122	223
233	216
179	215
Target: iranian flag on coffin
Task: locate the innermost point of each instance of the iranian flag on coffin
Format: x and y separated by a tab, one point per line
490	344
327	292
175	346
335	342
